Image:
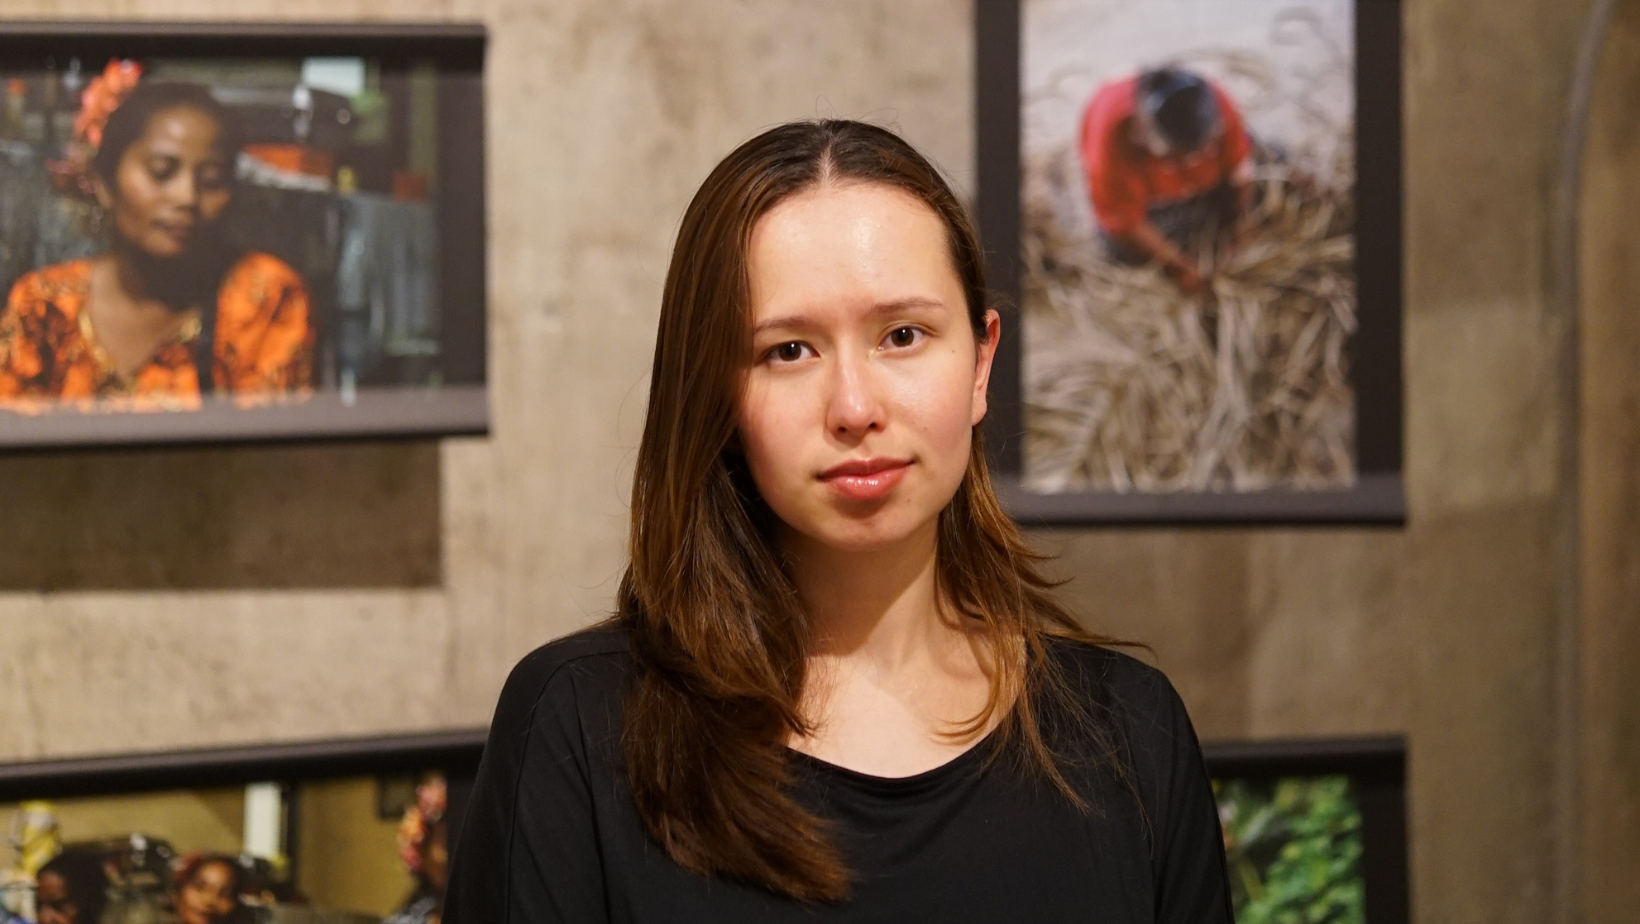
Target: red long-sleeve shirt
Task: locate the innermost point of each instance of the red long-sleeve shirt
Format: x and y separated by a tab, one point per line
1125	179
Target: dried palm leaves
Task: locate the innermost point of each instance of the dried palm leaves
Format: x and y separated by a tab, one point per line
1131	385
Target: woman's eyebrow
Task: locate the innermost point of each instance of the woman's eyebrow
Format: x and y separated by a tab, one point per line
800	321
913	303
788	322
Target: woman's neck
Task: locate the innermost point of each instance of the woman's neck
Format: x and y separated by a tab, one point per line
893	685
879	605
176	285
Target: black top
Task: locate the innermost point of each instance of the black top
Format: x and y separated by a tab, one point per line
551	834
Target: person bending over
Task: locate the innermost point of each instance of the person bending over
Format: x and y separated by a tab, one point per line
1168	163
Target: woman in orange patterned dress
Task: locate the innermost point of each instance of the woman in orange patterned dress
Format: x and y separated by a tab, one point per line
172	311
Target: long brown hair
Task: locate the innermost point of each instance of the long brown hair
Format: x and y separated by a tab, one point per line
717	631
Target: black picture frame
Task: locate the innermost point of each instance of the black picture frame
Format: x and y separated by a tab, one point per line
1375	351
456	752
459	405
1376	769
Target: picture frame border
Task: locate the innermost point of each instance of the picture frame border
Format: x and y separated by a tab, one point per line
456	751
1375	350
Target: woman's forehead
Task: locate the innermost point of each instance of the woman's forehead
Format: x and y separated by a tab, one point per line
181	128
860	244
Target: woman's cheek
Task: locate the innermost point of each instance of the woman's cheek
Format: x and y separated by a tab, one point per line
946	415
783	435
939	403
213	205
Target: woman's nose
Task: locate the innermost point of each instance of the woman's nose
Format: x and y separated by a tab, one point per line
185	188
855	406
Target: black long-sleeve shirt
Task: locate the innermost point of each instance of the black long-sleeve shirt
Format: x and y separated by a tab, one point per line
551	834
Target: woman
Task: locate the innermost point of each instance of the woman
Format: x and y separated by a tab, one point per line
836	687
71	889
172	311
207	890
424	846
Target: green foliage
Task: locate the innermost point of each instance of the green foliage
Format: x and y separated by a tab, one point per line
1294	848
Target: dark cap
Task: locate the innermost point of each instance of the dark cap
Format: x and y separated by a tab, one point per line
1181	105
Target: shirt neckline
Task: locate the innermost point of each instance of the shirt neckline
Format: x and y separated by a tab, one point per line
904	785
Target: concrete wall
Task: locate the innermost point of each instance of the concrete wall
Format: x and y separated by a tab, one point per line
159	599
1608	630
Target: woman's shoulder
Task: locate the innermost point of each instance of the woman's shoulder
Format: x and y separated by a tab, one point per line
261	263
563	700
591	663
1136	692
64	283
258	272
1135	710
1102	661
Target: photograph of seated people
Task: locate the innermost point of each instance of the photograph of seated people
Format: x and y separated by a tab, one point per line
361	850
1169	167
171	311
836	686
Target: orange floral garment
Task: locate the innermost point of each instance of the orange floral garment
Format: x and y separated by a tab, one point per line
49	355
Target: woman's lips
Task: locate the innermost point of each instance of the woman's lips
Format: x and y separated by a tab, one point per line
866	479
177	231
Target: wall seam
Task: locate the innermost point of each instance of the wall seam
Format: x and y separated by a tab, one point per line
1564	249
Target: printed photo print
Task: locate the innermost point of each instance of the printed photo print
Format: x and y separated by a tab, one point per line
1189	284
1294	850
348	850
177	233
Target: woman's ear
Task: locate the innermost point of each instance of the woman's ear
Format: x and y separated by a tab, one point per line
105	198
985	355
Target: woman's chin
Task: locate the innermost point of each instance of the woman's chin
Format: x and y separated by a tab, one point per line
870	534
163	252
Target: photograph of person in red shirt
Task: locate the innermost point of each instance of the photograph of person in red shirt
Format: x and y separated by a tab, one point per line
1187	191
1169	168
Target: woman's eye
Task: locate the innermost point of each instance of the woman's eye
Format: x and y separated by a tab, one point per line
163	168
789	352
904	336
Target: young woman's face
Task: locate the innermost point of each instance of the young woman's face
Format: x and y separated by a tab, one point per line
865	378
208	896
170	185
52	902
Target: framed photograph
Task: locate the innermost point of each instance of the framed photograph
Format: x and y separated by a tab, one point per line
1314	829
347	832
1192	217
240	232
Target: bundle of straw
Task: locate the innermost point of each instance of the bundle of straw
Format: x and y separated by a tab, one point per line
1133	385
